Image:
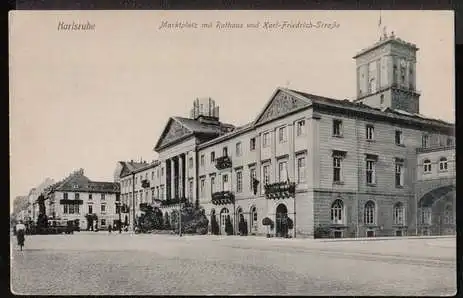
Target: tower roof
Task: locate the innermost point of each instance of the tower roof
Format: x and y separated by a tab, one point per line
389	39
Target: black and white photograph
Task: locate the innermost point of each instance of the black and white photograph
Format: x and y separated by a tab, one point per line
208	152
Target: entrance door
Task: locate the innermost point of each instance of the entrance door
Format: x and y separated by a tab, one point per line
398	233
223	219
370	233
337	234
281	221
253	220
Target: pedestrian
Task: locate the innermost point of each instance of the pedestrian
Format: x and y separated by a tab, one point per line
20	233
110	228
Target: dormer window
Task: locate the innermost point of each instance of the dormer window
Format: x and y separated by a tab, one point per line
75	186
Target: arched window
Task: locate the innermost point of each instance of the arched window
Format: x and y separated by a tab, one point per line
427	166
369	213
337	212
448	214
443	164
399	214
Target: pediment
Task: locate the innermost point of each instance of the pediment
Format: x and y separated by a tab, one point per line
281	103
174	131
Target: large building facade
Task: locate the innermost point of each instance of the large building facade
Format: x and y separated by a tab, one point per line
77	196
348	168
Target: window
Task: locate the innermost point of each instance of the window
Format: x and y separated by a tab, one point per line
252	144
102	196
337	210
190	162
381	99
90	197
448	215
238	149
372	85
402	74
202	160
399	138
103	208
65	208
443	164
136	179
212	184
425	141
369	213
103	222
71	208
427	166
76	196
190	188
118	209
282	134
152	194
300	127
399	214
266	174
152	175
239	181
370	132
202	185
399	174
212	157
337	128
65	195
337	168
282	171
426	216
225	151
371	171
162	171
266	140
252	174
161	192
301	169
225	182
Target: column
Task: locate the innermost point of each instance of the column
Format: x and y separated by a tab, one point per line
291	159
181	188
172	178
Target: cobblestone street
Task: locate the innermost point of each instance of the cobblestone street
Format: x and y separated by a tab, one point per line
99	263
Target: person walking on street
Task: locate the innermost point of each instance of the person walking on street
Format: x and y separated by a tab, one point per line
20	233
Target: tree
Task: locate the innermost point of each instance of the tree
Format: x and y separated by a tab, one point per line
228	226
42	219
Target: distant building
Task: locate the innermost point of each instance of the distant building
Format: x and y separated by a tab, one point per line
356	165
76	196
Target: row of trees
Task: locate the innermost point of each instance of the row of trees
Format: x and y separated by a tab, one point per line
193	220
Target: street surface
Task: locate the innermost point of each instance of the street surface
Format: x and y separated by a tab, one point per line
123	264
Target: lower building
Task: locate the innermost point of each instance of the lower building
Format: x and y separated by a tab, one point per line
79	198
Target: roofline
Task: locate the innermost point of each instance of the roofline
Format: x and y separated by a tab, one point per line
246	128
151	165
383	42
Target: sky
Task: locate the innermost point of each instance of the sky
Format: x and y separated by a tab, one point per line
87	99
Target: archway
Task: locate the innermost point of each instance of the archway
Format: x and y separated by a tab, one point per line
436	210
281	221
223	219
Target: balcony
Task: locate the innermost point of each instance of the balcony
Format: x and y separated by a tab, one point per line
223	162
434	149
70	202
145	183
174	201
280	190
223	197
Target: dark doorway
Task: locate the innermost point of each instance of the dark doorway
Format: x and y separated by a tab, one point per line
398	233
337	234
370	233
281	221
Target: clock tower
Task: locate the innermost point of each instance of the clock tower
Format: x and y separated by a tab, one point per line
386	75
